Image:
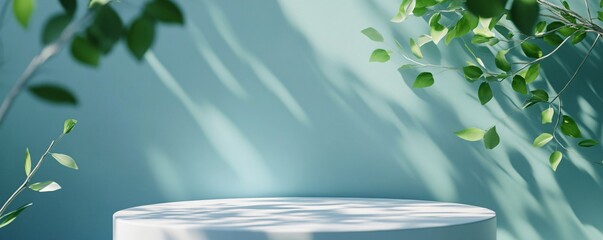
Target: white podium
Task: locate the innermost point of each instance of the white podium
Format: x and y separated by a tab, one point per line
305	219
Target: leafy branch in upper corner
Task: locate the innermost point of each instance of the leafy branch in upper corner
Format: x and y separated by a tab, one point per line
89	39
521	29
46	186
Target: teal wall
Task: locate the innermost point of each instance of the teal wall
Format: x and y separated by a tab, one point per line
277	98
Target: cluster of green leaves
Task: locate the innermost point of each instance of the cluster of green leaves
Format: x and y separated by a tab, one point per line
486	24
44	186
104	30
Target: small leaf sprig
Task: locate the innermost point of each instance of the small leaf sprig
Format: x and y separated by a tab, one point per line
44	186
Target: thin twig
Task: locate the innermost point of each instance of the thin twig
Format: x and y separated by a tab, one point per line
557	124
588	10
28	179
578	69
541	58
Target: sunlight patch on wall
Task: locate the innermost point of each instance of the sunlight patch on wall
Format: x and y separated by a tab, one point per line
263	73
421	155
218	67
515	209
227	140
166	176
588	114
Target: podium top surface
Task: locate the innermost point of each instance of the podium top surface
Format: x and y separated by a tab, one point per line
307	215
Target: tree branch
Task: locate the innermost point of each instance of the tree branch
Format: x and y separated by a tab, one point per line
46	53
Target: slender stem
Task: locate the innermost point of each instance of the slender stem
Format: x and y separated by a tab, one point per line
560	9
590	17
541	58
557	124
46	53
399	51
35	169
578	69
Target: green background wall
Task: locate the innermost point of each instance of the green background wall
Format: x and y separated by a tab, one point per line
277	98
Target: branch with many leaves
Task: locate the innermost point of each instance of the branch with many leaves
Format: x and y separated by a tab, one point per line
520	30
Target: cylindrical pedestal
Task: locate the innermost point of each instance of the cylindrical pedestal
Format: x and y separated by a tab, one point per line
305	219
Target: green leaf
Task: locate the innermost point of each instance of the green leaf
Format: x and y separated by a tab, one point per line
69	5
501	61
540	28
479	39
69	125
600	14
23	9
486	8
532	73
53	93
451	35
553	39
491	138
519	84
372	34
493	41
524	14
484	93
547	115
531	50
566	31
566	5
164	11
65	160
54	27
555	159
494	21
106	29
423	39
406	8
588	143
27	162
48	186
379	55
578	37
471	134
569	127
538	96
426	3
142	32
94	3
419	11
472	73
542	140
437	30
466	23
11	216
424	79
415	49
554	26
407	66
85	52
